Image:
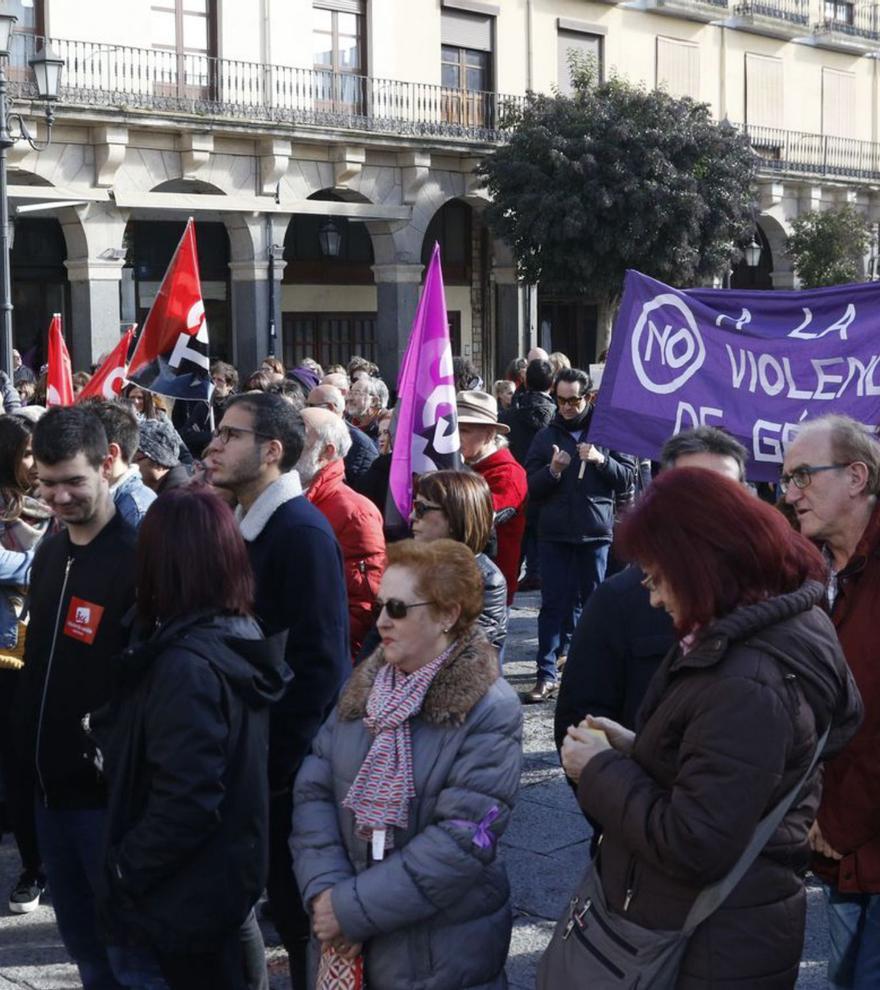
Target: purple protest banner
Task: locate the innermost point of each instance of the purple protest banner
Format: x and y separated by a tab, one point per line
755	363
427	427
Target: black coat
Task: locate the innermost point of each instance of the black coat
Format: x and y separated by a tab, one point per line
618	644
575	509
184	742
79	598
362	454
493	619
532	413
300	582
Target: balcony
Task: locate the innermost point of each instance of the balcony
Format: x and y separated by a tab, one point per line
703	11
811	155
159	82
784	19
847	27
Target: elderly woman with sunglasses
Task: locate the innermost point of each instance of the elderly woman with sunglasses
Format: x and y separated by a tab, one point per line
410	784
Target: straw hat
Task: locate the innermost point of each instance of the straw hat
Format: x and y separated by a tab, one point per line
480	409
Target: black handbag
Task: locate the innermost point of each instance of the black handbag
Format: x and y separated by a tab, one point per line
594	948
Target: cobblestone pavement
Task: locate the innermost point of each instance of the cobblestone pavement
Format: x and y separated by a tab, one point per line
545	849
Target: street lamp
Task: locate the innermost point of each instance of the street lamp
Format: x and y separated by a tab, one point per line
330	238
47	73
753	253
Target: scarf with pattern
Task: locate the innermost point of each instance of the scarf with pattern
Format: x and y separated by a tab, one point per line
383	787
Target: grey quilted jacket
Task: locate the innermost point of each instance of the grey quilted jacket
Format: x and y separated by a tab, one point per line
435	914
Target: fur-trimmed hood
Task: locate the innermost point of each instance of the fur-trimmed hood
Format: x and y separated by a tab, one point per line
252	522
458	686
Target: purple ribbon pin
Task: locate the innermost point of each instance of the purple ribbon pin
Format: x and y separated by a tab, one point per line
483	838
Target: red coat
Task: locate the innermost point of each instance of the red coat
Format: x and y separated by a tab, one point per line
510	488
357	524
849	815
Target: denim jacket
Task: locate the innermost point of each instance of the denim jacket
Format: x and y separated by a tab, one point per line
15	568
132	497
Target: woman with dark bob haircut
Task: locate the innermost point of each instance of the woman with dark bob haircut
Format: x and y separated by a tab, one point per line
184	742
729	725
411	782
458	505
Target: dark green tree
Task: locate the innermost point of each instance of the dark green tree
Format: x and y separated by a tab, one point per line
617	177
827	247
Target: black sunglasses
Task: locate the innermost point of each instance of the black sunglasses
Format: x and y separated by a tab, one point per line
396	608
420	509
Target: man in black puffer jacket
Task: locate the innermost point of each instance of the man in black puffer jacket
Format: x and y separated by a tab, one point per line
575	484
532	413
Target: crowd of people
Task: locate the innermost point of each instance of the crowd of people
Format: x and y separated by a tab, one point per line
225	672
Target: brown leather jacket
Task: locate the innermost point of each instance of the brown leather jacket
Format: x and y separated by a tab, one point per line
726	730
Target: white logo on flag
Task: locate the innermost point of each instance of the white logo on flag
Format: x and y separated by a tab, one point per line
667	348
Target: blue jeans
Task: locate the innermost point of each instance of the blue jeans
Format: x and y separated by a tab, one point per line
854	928
70	842
570	573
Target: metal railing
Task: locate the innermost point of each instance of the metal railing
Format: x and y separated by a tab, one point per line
855	19
789	11
813	154
152	79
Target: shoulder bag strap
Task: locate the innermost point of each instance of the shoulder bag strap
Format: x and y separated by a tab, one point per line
713	896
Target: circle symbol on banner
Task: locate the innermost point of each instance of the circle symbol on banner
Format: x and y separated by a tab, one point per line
667	347
112	386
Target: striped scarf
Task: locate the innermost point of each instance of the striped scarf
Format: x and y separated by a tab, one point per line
383	788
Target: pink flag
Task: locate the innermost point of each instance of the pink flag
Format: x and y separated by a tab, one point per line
427	426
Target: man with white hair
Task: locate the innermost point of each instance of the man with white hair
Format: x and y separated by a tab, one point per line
356	522
363	451
367	398
831	479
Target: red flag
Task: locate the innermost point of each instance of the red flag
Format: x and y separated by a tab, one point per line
106	383
59	383
171	356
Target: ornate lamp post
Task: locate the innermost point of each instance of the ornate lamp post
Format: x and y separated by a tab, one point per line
47	74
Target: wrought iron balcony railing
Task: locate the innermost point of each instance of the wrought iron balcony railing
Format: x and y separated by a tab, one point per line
799	152
857	20
789	11
163	81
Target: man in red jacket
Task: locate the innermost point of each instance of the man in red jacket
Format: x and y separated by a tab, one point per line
831	478
356	522
485	450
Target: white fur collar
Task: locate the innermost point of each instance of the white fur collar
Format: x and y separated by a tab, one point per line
283	490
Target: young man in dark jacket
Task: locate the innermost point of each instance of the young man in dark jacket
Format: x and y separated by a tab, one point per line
300	588
533	411
82	586
575	483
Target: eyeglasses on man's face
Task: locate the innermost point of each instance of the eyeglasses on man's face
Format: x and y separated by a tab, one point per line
573	401
226	433
396	607
802	475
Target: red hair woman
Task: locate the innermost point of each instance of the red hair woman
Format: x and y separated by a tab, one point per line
184	744
729	725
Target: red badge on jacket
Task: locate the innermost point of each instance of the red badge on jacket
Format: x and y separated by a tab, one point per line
83	619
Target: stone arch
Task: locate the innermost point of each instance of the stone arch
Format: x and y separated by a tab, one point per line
775	230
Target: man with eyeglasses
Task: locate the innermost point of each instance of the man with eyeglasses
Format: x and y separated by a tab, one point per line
831	479
575	483
300	589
